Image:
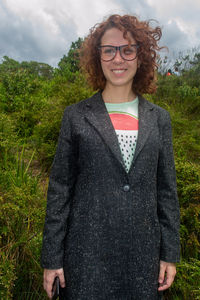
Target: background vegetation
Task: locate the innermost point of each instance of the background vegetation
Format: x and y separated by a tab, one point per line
32	100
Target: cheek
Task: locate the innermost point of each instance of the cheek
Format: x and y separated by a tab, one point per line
104	68
134	67
134	64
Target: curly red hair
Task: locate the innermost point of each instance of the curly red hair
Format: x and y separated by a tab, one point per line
146	37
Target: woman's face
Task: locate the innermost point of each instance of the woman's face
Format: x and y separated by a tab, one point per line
118	72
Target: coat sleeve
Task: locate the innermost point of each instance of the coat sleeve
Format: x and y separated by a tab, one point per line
168	205
62	178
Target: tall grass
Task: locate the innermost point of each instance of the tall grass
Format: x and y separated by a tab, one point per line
21	221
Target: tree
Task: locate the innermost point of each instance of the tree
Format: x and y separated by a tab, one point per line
37	69
70	62
9	65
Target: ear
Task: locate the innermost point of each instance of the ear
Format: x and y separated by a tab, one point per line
138	64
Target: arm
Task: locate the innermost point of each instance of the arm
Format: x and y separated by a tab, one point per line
62	179
168	206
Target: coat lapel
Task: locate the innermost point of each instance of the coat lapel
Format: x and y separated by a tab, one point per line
147	120
98	117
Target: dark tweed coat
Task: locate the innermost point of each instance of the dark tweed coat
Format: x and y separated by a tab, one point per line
107	228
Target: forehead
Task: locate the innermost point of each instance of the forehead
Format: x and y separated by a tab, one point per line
115	37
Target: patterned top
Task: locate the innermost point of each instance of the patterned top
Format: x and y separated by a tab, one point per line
124	117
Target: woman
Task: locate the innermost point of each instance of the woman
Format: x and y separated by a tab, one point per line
112	222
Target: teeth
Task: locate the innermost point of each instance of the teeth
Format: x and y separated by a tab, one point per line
118	71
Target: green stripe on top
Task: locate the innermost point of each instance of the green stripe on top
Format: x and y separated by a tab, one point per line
122	105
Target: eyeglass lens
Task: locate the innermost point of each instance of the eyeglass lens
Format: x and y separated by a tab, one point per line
127	52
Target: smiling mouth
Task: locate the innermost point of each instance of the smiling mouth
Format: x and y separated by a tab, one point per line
119	71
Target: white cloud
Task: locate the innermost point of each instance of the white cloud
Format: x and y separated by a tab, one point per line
43	30
184	13
50	13
51	25
86	13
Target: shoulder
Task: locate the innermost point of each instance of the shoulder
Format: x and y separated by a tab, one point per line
81	106
162	114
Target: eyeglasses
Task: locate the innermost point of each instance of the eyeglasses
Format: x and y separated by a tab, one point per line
127	52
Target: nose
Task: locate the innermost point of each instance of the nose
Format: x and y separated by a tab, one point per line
118	58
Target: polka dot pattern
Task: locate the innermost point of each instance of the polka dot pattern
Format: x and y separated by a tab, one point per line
124	117
127	142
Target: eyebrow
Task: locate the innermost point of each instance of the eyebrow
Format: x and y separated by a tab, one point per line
118	46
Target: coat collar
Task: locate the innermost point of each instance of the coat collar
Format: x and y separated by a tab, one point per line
97	116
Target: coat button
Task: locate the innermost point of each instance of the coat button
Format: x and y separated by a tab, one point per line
126	188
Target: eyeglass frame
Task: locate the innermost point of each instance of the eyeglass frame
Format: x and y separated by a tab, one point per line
119	48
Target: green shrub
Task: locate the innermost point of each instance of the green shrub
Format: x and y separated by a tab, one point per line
45	134
21	221
8	138
31	108
186	285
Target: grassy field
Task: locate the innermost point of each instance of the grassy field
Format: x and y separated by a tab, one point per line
32	100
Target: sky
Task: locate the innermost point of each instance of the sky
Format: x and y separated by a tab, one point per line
43	30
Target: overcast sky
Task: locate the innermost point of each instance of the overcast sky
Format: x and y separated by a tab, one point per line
43	30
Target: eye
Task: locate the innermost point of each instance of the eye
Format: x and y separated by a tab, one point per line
129	50
108	50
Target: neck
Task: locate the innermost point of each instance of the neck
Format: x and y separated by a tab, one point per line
117	94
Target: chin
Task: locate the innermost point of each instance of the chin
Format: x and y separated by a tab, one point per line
121	83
